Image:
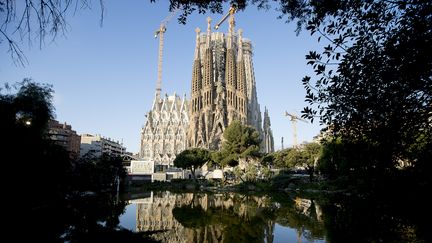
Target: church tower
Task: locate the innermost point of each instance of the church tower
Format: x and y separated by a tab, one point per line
268	141
223	86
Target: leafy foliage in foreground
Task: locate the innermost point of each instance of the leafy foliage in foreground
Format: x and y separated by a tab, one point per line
192	159
373	83
64	193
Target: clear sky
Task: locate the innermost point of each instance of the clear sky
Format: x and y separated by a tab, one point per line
105	77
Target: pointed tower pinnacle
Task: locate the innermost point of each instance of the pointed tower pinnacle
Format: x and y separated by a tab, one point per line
208	69
197	31
241	80
240	45
208	31
231	24
196	75
230	31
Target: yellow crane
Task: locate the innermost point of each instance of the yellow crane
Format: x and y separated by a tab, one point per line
231	12
294	118
160	32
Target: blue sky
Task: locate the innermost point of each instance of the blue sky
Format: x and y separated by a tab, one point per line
105	77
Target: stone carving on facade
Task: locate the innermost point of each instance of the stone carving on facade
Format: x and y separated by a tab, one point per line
223	87
164	133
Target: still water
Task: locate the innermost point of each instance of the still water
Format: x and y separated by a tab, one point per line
228	217
233	217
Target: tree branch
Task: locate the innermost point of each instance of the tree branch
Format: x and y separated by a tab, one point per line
16	53
49	20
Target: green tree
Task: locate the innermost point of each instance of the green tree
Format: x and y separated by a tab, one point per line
280	158
373	82
223	159
240	141
333	161
266	173
293	158
99	173
309	156
192	159
251	172
268	159
25	109
353	158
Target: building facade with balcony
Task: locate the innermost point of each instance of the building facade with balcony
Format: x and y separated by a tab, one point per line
96	145
63	135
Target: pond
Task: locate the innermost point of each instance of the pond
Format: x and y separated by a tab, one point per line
279	217
229	217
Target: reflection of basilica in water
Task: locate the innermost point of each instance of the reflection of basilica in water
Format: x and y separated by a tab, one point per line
228	217
155	214
273	217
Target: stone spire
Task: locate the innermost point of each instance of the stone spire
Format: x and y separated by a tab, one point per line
208	32
231	25
230	73
196	76
240	45
197	45
208	69
266	119
241	80
268	134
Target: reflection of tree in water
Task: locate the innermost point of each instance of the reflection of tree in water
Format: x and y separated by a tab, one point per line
95	218
233	217
301	214
236	218
228	217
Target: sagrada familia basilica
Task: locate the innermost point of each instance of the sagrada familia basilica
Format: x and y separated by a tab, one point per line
223	89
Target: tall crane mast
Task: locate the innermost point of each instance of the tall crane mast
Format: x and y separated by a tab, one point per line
294	118
231	12
160	32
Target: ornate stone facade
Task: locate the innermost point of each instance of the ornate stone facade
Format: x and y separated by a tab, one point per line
223	87
223	90
164	133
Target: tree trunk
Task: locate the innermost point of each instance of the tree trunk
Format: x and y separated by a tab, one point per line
311	172
193	173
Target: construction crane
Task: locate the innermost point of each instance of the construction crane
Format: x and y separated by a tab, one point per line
231	12
160	32
294	118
